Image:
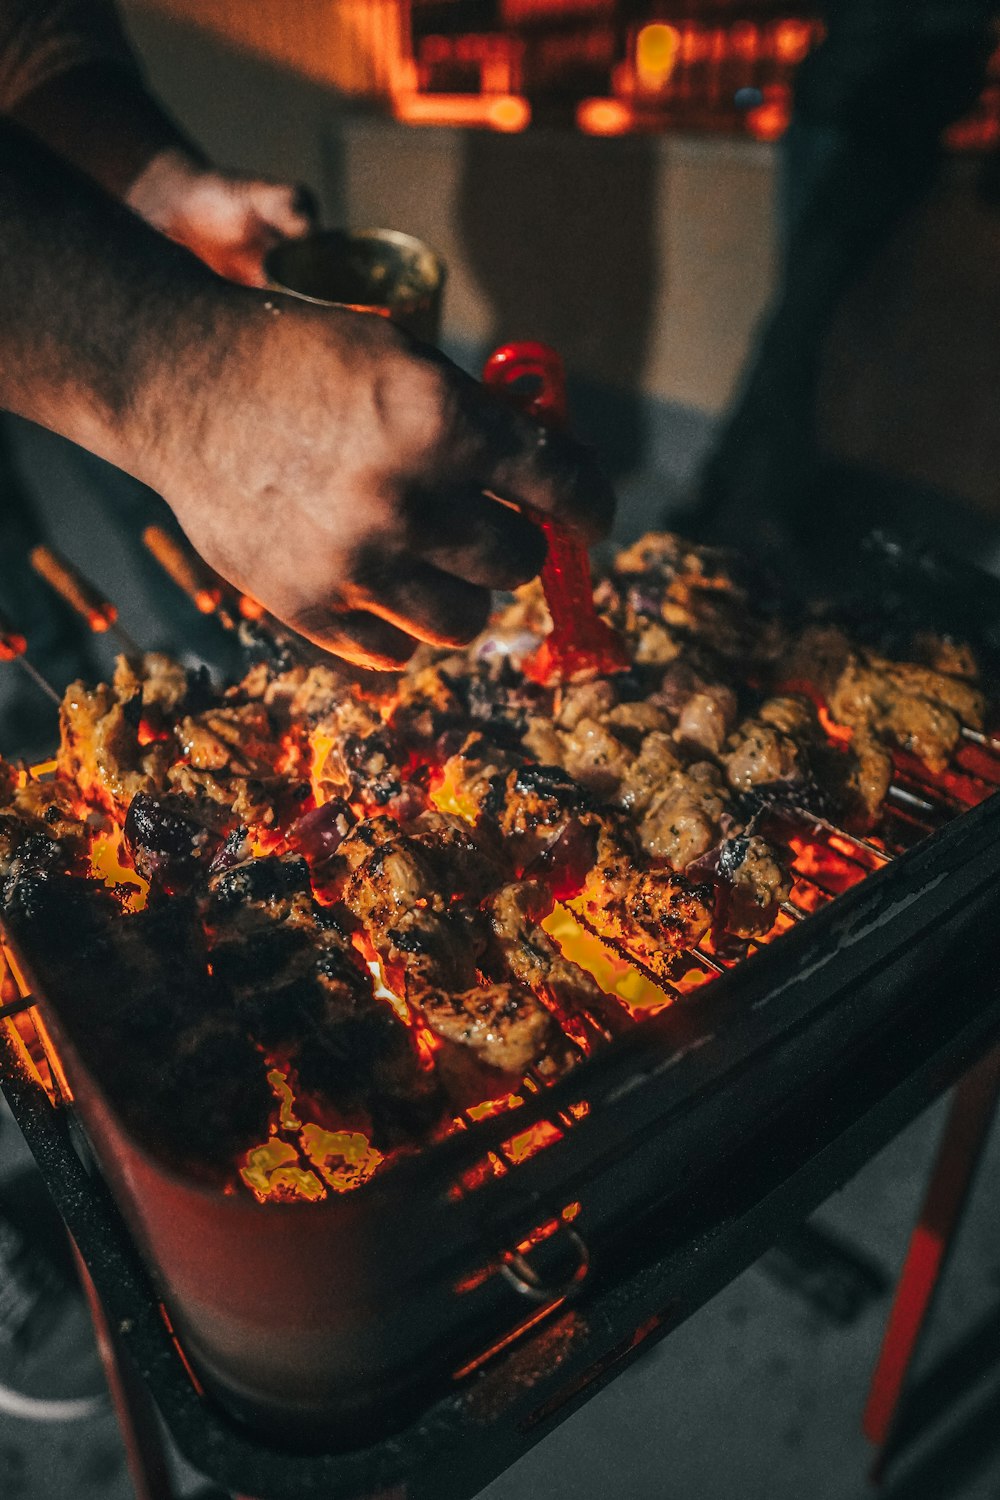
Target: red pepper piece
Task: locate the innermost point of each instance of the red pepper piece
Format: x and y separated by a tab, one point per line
580	644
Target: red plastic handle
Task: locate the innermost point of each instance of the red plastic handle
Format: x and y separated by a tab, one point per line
580	643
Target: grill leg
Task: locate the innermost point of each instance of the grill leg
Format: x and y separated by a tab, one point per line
973	1107
144	1451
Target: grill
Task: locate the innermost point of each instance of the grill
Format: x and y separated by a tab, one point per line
517	1265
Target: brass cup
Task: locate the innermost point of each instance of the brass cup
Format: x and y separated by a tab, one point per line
368	270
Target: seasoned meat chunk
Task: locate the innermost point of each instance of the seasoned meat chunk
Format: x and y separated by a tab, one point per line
684	820
647	776
595	758
757	880
706	719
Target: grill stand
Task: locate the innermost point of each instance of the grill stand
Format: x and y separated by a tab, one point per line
680	1257
972	1113
134	1410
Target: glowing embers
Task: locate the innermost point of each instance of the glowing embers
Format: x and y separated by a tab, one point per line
320	745
615	975
109	861
313	1164
448	796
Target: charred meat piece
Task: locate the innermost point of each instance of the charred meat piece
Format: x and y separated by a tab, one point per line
300	987
100	750
653	913
433	949
531	805
238	739
394	892
167	844
755	881
159	682
502	1024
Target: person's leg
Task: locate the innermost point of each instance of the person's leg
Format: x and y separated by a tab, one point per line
870	106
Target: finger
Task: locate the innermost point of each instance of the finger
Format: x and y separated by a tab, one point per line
477	538
356	636
287	209
420	599
545	470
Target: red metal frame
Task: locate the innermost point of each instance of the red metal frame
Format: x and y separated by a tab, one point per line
973	1110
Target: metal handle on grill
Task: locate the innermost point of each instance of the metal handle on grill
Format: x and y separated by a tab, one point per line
522	1276
580	643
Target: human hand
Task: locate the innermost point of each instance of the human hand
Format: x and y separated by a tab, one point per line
345	476
228	219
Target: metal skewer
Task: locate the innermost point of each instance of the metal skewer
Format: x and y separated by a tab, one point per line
203	586
81	596
12	648
988	741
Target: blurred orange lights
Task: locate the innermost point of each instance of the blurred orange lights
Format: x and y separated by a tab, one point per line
509	113
656	49
792	40
604	117
769	121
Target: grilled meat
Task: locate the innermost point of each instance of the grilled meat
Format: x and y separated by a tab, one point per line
444	814
905	704
755	880
913	707
301	989
773	748
432	948
503	1025
685	819
651	911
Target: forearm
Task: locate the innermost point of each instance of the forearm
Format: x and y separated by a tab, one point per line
102	119
101	319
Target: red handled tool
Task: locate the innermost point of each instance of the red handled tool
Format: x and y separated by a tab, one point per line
580	644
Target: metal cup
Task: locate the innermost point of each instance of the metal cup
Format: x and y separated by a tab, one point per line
368	270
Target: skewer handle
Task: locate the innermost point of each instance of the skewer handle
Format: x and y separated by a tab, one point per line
12	644
73	588
185	567
12	649
580	643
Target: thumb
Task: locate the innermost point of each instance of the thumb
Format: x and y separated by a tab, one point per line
289	210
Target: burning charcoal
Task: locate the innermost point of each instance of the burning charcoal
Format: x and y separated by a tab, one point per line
166	847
